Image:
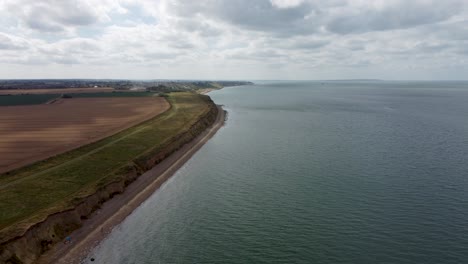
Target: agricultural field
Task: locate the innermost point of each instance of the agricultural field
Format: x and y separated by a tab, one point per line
26	99
56	91
115	94
35	99
30	193
35	132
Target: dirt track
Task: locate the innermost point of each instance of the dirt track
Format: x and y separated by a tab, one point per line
35	132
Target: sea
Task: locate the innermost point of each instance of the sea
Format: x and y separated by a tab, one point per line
315	172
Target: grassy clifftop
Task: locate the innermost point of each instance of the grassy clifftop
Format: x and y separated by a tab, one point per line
30	194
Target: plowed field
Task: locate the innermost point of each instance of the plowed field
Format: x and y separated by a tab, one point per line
36	132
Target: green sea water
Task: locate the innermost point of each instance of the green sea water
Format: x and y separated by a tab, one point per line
315	172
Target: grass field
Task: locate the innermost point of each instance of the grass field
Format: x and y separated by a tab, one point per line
34	99
55	91
31	193
26	99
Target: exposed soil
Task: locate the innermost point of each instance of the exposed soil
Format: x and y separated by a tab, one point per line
36	132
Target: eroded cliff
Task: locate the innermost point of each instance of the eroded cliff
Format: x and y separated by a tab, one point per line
38	238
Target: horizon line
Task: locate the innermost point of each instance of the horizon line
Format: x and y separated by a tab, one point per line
208	79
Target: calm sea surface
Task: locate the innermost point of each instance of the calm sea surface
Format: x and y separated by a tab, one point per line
315	172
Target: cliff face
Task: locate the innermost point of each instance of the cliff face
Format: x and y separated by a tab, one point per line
149	160
41	236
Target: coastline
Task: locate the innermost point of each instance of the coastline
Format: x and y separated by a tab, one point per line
113	212
205	91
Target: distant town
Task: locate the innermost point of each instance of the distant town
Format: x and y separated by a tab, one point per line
150	85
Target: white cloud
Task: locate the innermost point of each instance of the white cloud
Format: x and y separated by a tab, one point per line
286	3
8	42
259	39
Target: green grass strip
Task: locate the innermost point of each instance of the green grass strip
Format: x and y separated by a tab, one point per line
25	194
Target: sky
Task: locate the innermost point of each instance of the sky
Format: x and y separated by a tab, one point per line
234	39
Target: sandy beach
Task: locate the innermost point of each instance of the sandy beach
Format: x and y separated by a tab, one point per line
113	212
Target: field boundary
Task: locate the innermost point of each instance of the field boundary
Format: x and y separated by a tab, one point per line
138	127
37	233
46	167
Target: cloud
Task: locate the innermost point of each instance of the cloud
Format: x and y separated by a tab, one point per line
77	47
11	43
308	44
233	39
58	15
286	3
302	17
390	15
260	15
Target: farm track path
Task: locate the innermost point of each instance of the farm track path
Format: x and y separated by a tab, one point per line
6	185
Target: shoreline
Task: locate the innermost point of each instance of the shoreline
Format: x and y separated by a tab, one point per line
206	90
102	221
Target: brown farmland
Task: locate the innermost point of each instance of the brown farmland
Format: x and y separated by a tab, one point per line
36	132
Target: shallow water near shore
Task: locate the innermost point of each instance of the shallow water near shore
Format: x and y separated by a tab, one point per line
315	172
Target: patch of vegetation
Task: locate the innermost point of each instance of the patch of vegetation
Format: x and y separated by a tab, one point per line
183	85
26	99
34	99
169	87
35	191
114	94
175	86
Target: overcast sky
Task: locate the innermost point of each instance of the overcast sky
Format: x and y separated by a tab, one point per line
234	39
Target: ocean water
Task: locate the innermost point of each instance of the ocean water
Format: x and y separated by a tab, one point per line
315	172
